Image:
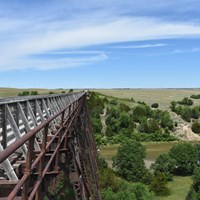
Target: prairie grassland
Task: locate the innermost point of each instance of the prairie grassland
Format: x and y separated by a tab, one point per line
8	92
179	188
161	96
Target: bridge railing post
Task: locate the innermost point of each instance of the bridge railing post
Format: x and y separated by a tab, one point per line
28	164
42	161
4	126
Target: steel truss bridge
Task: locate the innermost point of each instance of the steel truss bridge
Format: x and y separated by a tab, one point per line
43	140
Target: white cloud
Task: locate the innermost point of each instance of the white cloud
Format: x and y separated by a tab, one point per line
32	37
49	64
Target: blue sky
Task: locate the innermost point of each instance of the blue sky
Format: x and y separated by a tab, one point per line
100	43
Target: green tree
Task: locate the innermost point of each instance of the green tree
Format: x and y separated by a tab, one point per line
24	93
185	156
186	114
129	163
140	112
173	106
194	193
109	180
166	121
34	93
196	127
70	91
186	101
164	164
124	108
159	185
195	112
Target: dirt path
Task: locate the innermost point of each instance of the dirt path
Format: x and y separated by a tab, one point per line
103	121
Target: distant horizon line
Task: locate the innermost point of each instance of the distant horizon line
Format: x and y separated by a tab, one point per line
111	88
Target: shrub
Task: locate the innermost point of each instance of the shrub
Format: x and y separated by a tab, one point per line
197	96
155	105
186	101
34	93
113	102
159	185
24	93
123	107
196	127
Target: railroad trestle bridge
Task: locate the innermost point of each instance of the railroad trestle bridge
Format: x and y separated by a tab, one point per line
45	137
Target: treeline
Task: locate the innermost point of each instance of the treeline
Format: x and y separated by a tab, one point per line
28	93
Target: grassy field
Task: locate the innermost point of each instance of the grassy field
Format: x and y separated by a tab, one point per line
8	92
179	188
153	149
161	96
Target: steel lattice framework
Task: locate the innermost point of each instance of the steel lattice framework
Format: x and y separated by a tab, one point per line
42	137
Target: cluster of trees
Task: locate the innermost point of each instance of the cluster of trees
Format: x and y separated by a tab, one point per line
141	123
28	93
186	112
114	187
129	165
186	101
183	159
195	96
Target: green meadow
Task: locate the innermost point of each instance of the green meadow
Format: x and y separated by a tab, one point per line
161	96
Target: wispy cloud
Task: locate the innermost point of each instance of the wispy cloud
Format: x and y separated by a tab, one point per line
48	33
77	52
143	46
50	64
180	51
173	52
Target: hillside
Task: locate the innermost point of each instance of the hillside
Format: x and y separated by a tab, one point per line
161	96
